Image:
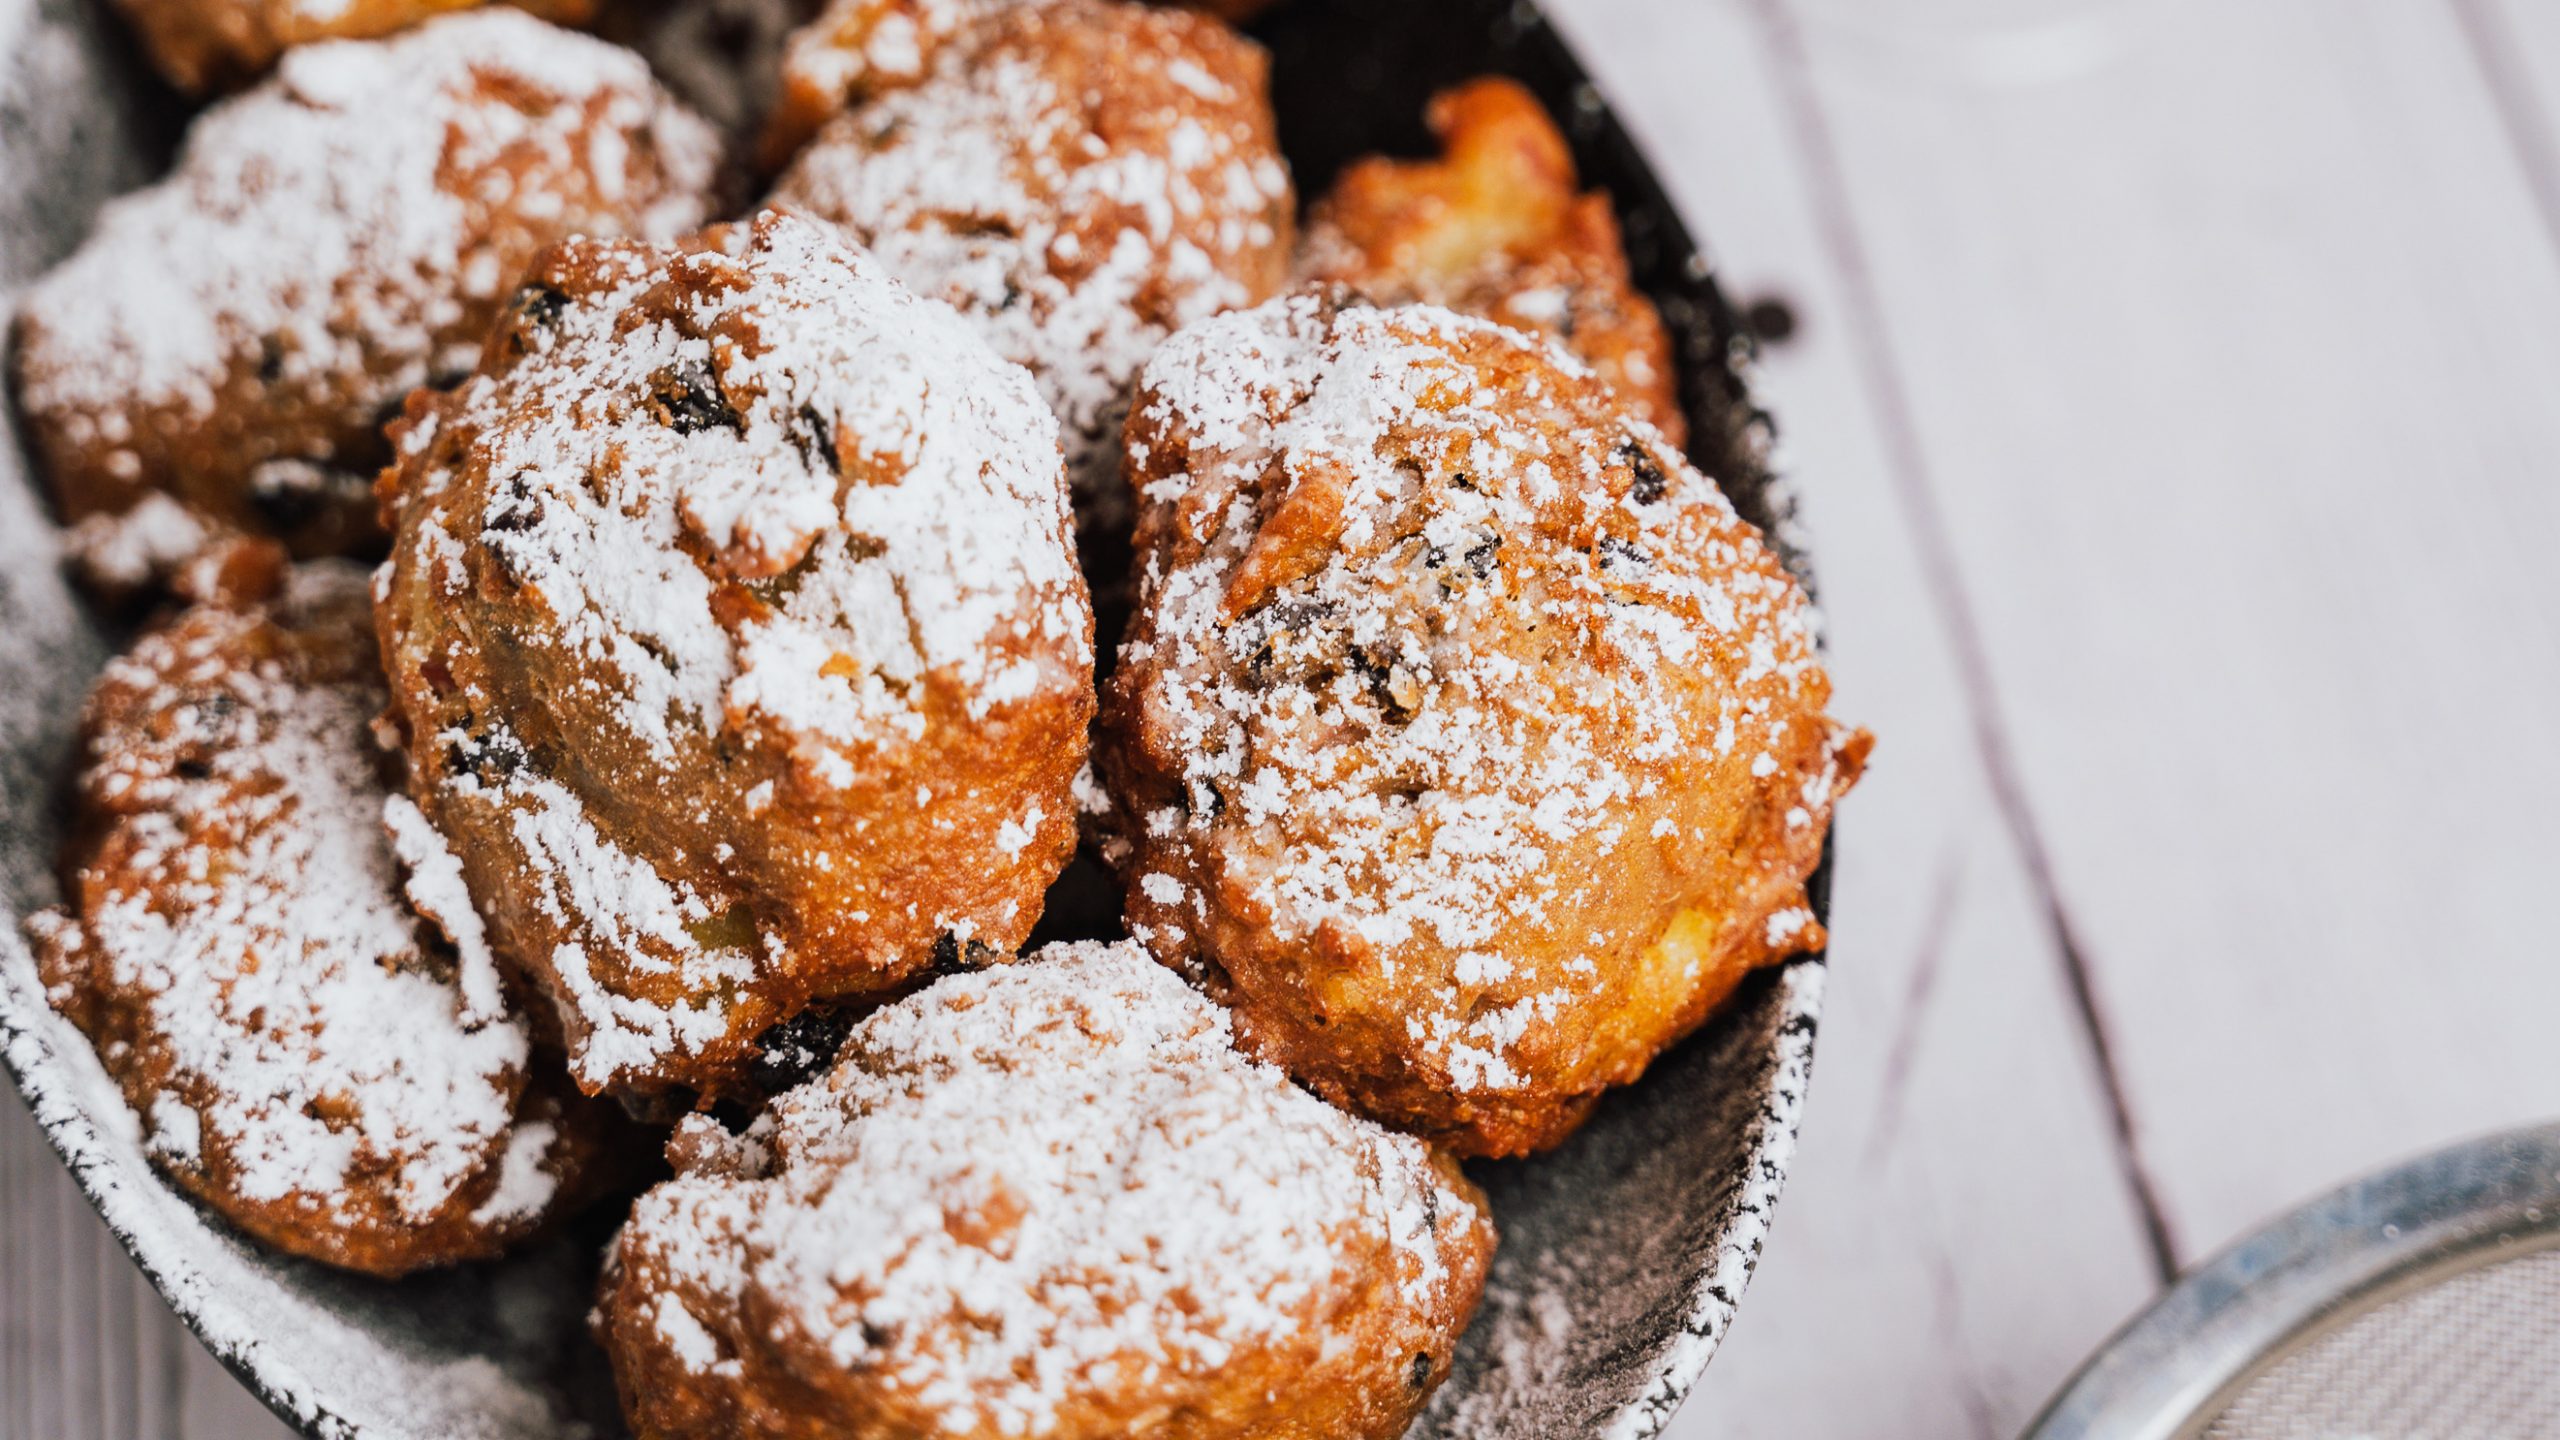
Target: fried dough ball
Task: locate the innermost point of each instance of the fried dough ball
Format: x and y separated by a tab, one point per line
1050	1199
206	45
159	549
1494	227
1080	178
853	51
305	1055
235	335
737	641
1464	741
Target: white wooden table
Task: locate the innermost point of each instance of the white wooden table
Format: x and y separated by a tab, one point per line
2176	398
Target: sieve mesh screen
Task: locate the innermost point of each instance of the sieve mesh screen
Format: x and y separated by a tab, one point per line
2475	1356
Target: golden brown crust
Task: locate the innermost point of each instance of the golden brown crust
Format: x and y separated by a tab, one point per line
160	549
1080	178
306	1056
855	51
1465	741
235	336
1495	227
1048	1199
736	640
202	46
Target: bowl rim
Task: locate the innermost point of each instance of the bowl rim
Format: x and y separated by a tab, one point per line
1732	438
2187	1356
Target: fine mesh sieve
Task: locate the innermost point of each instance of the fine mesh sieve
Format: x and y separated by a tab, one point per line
2473	1353
2422	1303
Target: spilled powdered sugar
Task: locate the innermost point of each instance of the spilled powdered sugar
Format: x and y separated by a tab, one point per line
1069	1151
1074	244
1574	1338
1374	739
310	226
278	971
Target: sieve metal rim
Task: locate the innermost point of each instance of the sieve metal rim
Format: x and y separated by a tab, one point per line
2166	1375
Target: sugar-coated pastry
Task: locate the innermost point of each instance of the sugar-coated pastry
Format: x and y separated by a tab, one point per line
235	336
853	51
206	45
1050	1199
243	945
129	560
1465	742
737	641
1080	178
1495	227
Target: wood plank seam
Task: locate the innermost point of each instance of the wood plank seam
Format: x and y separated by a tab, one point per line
1869	342
1927	955
1946	1289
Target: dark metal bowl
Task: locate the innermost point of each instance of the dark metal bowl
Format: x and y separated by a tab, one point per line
1623	1253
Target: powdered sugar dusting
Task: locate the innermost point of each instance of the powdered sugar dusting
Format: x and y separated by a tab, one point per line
122	554
327	1357
956	537
353	1360
1075	237
860	47
1347	674
758	491
1568	1297
435	887
1068	1151
638	918
525	1185
311	230
252	905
